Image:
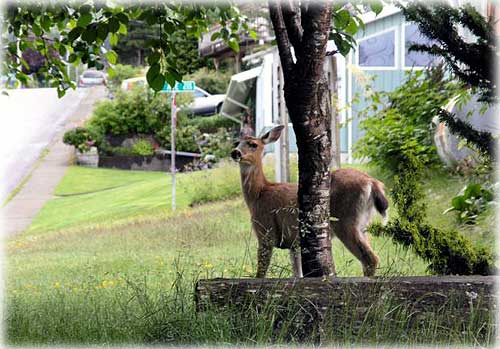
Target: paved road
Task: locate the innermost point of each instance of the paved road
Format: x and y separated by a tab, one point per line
28	136
29	120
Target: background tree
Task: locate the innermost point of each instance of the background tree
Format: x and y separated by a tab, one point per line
472	60
303	26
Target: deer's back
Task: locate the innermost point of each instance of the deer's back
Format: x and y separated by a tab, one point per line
350	194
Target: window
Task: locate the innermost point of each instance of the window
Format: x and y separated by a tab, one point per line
198	93
378	51
413	58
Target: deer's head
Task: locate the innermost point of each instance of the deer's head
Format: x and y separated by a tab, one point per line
250	149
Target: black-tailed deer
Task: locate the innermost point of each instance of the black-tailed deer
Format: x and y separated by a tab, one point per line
354	197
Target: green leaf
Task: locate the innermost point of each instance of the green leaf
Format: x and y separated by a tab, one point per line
89	35
122	17
123	29
74	34
62	50
113	39
215	36
114	25
153	71
111	56
102	31
36	29
170	79
341	19
84	20
376	6
157	83
72	58
233	43
458	203
46	23
252	34
154	57
169	27
60	93
352	27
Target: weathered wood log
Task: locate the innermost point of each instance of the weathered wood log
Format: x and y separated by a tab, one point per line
452	299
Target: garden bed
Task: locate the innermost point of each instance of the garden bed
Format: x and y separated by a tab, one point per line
157	162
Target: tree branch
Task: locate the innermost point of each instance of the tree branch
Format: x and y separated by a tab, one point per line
282	40
316	23
292	18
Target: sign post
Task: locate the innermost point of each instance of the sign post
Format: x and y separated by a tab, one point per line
184	86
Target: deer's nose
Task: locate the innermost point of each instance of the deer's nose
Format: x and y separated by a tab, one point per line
236	154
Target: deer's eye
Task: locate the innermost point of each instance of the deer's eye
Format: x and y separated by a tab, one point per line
252	145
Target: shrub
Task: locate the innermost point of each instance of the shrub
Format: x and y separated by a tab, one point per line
218	145
140	111
447	251
472	200
143	147
121	72
210	80
210	124
401	120
80	137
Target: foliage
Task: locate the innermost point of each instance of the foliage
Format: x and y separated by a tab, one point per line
84	28
210	80
143	147
481	140
218	145
210	124
141	111
472	60
447	251
399	122
121	72
472	200
80	137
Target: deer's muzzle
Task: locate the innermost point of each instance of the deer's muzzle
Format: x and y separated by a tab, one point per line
236	155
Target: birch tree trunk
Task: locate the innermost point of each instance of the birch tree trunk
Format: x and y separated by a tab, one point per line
305	27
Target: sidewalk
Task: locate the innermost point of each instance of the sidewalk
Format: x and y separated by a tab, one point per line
19	212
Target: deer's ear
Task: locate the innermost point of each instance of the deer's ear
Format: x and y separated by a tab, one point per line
272	135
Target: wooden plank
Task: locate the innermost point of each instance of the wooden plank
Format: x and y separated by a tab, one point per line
349	300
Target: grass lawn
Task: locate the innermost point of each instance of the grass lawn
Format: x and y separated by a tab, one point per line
107	261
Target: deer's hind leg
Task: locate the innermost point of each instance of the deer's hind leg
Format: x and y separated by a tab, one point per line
296	260
358	244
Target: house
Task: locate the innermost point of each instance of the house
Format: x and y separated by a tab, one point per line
381	53
381	56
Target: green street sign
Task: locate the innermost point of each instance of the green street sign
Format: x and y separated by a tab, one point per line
184	86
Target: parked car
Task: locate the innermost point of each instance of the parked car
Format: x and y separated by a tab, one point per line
203	104
206	104
92	78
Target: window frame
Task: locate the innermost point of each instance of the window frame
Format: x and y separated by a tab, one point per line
397	47
403	50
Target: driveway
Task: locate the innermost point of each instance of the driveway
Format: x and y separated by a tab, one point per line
25	130
30	119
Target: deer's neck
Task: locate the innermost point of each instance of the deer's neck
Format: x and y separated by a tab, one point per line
253	181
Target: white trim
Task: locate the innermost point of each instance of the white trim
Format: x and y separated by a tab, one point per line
404	67
387	10
394	29
349	110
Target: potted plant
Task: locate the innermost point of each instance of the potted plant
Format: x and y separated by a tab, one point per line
84	143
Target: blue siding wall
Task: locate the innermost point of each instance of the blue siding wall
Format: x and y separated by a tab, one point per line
384	80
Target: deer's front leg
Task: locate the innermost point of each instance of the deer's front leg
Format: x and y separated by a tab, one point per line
264	255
